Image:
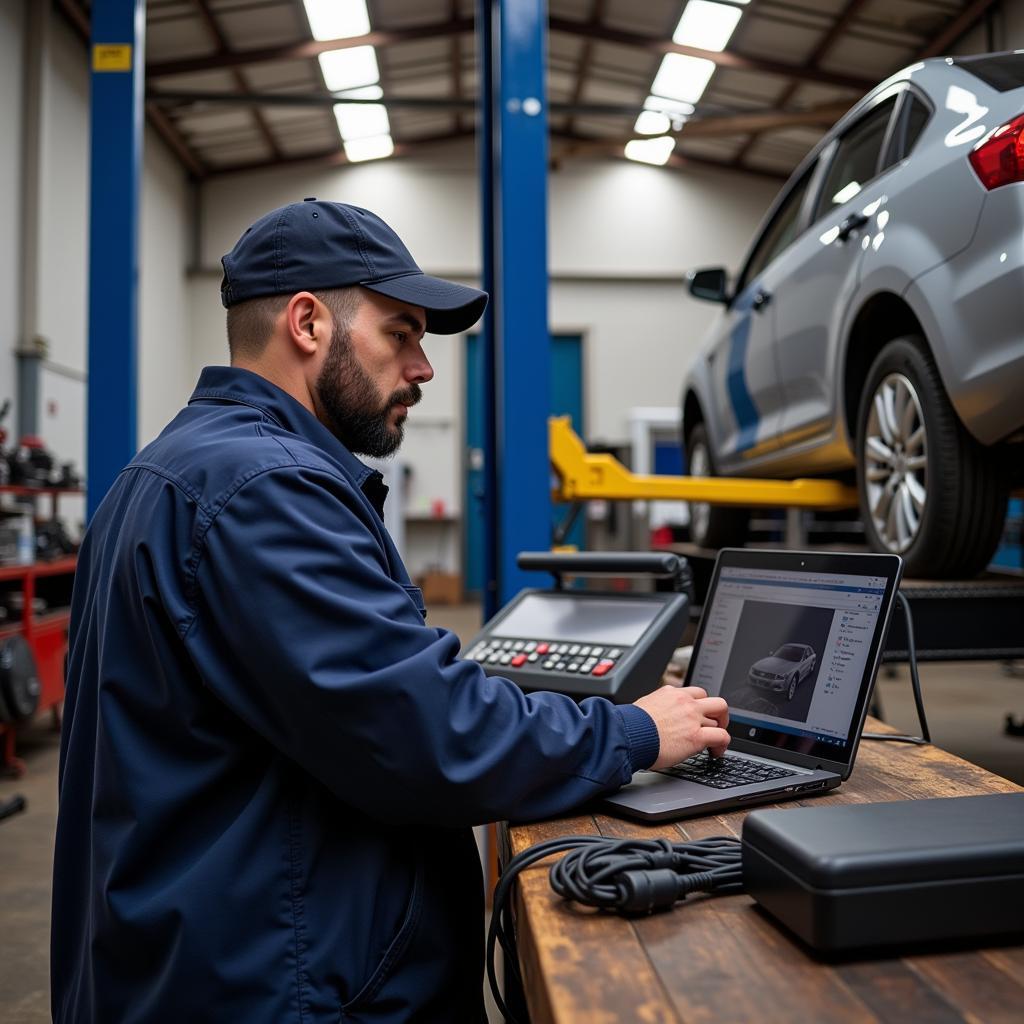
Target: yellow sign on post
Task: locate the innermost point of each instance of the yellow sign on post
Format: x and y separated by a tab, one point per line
112	57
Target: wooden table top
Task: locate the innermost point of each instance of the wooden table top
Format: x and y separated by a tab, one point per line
713	960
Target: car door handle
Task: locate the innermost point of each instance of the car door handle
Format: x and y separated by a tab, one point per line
761	299
851	224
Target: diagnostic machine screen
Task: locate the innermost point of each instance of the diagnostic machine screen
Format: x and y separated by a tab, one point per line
583	620
788	650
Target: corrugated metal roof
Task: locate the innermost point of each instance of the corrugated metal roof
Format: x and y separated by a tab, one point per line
785	56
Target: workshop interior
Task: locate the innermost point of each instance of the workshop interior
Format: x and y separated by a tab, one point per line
744	412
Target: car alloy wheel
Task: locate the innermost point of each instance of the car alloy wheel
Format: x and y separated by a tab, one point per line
792	687
940	502
896	460
711	526
700	511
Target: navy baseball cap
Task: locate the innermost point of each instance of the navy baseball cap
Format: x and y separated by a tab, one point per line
316	245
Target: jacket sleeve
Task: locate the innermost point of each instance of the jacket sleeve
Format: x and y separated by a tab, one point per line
302	632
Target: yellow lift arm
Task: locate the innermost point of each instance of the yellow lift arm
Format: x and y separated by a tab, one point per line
584	476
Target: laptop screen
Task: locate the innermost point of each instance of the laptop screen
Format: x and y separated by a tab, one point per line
792	652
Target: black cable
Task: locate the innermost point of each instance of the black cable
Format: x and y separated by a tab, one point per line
624	876
915	680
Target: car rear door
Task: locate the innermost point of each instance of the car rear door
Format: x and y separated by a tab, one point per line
822	272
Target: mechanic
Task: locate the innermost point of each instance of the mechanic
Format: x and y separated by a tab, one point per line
270	763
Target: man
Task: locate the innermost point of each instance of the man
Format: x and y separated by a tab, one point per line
270	763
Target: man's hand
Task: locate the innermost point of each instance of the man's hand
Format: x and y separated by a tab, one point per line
688	720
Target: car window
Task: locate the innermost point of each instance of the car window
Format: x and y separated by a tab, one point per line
1002	71
790	653
910	123
780	232
913	125
856	159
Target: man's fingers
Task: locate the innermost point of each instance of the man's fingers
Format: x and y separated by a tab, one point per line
716	708
717	740
696	692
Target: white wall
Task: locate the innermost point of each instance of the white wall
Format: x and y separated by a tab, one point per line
165	369
11	29
60	313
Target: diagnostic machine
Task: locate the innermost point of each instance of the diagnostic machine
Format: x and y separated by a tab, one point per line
589	643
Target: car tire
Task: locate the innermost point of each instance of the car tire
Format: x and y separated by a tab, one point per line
711	526
791	692
928	490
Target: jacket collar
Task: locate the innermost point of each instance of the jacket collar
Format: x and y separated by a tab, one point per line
233	384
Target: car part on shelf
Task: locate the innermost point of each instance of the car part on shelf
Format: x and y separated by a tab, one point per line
19	680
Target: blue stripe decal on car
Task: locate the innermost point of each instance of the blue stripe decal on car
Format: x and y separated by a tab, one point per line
747	418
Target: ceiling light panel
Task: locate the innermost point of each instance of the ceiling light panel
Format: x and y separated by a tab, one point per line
651	151
681	77
706	25
650	122
674	108
369	149
350	69
361	120
337	19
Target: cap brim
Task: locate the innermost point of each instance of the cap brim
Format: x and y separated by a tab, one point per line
451	308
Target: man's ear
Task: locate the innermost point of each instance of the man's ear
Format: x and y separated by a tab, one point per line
308	323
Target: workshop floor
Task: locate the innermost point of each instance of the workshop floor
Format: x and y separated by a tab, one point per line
966	704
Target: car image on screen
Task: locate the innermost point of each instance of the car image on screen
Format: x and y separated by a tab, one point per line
784	670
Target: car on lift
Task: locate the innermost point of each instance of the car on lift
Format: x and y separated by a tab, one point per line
876	328
784	669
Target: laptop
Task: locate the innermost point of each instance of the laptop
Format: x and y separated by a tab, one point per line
792	640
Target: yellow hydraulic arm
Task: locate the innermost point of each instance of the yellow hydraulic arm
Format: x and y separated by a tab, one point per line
584	476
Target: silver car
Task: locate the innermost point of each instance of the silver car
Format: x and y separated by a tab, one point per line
877	325
784	670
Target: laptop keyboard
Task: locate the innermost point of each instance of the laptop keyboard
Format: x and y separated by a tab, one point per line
724	772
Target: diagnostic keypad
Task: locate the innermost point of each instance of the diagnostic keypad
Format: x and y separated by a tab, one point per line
548	655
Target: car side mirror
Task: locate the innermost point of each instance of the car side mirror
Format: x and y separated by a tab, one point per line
710	284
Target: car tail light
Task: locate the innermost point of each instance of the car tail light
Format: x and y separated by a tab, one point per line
999	160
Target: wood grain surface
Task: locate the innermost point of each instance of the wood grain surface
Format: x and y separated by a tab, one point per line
720	959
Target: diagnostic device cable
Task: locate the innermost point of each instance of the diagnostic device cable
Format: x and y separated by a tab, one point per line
624	876
915	681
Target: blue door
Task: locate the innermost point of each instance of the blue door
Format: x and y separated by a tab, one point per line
566	400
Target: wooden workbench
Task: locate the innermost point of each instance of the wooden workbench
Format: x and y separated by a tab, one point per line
717	960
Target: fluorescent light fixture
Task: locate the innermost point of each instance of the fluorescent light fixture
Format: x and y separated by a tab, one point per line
650	122
349	69
369	149
368	92
337	19
707	25
361	120
674	108
846	192
681	77
651	151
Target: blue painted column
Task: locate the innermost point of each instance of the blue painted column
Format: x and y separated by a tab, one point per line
513	172
117	57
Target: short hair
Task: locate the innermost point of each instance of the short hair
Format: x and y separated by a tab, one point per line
251	323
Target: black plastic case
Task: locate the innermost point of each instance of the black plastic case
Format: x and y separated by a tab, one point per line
858	876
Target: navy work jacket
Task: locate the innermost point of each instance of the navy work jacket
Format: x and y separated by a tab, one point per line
270	763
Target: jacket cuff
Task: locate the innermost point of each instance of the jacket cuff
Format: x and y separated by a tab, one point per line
641	734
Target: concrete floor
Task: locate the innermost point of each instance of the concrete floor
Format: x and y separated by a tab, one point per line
966	705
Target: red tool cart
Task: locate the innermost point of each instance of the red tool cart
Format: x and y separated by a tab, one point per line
40	593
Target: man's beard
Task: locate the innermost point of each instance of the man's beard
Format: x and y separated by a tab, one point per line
351	403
